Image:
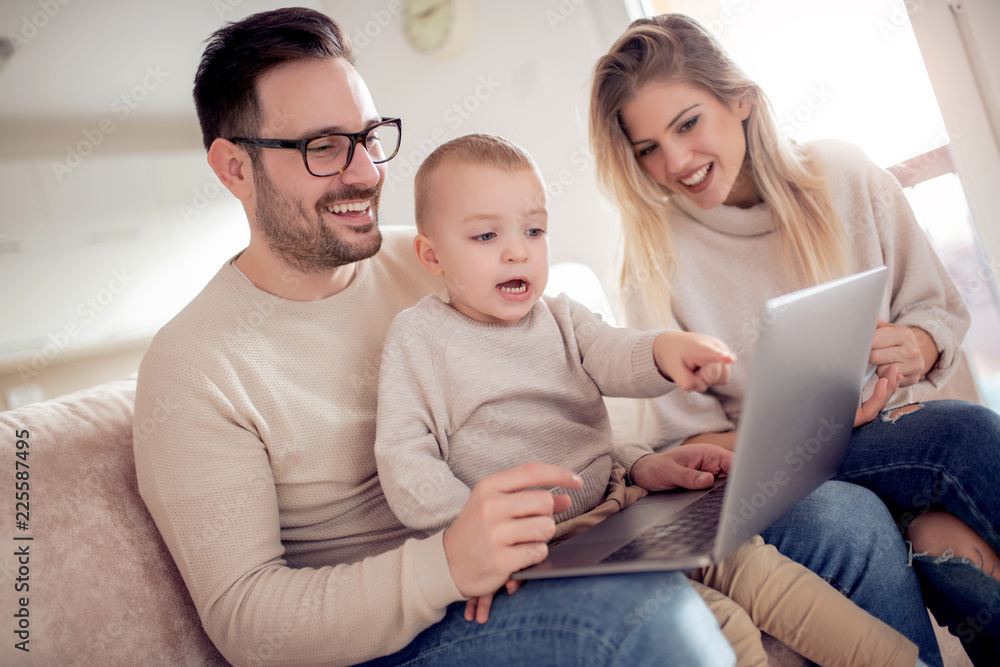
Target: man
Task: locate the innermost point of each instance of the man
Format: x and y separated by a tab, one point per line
260	473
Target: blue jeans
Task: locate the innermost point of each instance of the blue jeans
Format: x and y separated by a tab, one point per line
845	534
628	619
946	455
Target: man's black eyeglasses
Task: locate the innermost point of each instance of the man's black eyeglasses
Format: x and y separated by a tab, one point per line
329	154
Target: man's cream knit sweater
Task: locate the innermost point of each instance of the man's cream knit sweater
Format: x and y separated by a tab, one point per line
254	432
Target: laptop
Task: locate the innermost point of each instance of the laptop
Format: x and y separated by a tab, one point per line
810	364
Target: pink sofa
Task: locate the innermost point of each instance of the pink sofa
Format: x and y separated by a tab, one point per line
103	589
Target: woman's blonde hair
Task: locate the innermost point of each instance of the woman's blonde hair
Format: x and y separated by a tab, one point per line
671	48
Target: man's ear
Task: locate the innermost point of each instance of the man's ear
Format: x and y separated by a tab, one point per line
425	253
232	165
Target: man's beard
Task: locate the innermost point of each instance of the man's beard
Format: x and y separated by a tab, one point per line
304	241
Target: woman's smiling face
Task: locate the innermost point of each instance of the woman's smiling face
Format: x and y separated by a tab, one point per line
690	142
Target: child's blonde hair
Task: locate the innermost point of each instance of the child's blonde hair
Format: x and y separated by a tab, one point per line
483	150
671	48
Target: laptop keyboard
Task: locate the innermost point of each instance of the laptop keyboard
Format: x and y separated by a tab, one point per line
692	533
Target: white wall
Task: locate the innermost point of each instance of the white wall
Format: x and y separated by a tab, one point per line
524	74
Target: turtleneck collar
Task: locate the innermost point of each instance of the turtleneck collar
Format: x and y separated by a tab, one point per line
731	220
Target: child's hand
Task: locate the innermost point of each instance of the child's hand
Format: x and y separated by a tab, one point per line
713	373
693	466
478	608
692	361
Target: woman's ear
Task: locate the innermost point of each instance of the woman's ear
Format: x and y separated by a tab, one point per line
424	248
233	168
744	104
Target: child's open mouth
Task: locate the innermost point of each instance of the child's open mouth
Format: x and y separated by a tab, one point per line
513	287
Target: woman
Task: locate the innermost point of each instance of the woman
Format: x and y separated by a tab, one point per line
721	212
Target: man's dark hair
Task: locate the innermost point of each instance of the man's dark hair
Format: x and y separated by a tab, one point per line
239	54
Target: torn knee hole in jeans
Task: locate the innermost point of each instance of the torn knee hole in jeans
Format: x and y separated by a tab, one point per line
894	415
911	555
949	555
936	560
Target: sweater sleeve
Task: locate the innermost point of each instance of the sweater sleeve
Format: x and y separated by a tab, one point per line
667	421
205	477
618	360
921	292
411	430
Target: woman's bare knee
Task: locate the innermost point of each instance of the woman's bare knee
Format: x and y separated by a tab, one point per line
937	533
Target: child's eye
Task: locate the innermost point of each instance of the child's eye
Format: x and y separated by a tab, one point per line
535	232
486	236
688	124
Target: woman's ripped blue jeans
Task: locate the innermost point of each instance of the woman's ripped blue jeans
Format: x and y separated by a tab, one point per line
941	455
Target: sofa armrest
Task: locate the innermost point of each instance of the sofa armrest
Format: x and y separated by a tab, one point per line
101	585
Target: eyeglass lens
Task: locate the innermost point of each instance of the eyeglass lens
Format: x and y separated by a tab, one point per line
328	155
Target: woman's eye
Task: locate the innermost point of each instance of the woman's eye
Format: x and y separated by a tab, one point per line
688	124
646	150
488	236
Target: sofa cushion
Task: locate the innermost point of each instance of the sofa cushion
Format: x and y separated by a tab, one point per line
103	588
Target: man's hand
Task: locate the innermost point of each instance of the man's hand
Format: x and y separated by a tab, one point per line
692	361
910	348
505	525
693	466
884	389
